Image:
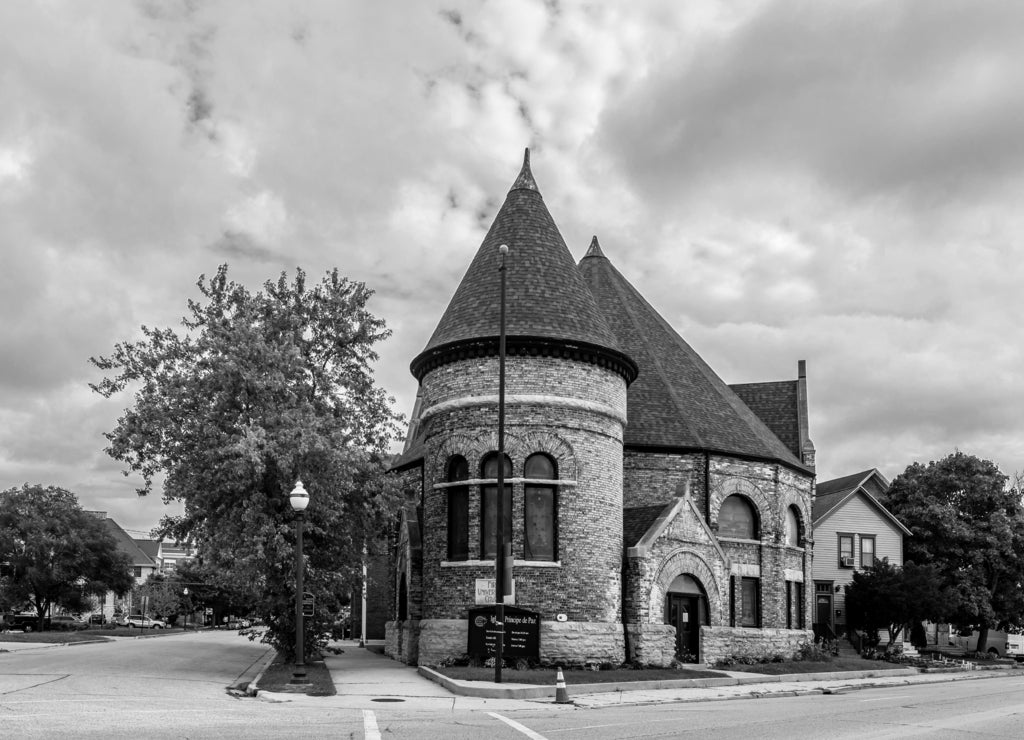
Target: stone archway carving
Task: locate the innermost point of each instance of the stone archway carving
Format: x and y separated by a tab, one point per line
677	563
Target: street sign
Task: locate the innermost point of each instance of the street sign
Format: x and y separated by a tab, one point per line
485	591
307	604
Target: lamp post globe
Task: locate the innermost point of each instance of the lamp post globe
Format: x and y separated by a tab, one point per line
299	500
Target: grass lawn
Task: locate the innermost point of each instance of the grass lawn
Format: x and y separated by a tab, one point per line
806	666
279	673
52	637
541	676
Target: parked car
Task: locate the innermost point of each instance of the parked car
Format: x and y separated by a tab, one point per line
25	621
67	623
1015	647
97	619
137	620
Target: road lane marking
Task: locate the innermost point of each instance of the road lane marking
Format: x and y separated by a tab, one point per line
370	731
516	726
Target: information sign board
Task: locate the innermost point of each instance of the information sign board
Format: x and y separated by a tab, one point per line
307	604
485	592
522	632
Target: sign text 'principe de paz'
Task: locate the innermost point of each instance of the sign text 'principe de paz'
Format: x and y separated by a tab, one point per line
522	632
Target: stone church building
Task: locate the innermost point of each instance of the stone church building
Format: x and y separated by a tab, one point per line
656	511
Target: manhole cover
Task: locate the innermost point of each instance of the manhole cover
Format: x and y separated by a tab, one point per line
387	699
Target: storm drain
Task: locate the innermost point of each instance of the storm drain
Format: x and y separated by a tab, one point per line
387	698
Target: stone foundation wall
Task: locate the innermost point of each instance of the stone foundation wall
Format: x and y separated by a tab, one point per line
652	644
401	641
442	639
722	642
582	643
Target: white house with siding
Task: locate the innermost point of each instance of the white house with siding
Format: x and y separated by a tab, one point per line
852	529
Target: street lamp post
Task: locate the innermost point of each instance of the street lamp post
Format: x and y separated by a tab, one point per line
187	605
299	500
502	549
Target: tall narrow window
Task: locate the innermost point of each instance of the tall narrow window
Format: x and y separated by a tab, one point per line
846	550
540	508
489	506
801	620
737	519
792	527
750	595
458	510
867	551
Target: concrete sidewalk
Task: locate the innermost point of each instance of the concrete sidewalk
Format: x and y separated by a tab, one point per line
367	679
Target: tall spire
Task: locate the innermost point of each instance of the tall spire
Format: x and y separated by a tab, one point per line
595	249
525	180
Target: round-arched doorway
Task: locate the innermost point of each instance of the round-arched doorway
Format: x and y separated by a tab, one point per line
686	609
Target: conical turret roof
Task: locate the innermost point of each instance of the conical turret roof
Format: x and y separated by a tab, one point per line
548	306
677	401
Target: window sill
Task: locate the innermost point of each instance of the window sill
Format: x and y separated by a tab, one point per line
739	540
490	564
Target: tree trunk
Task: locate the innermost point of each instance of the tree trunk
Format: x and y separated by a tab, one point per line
982	638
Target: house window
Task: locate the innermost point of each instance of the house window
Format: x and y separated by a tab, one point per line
846	551
137	570
867	551
540	508
750	596
458	510
489	506
737	519
792	527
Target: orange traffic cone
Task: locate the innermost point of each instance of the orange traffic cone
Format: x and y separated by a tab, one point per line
561	695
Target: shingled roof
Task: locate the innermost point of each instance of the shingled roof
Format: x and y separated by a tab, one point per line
775	403
677	400
547	301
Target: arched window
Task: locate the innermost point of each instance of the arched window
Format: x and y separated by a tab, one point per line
458	509
792	527
489	506
737	518
540	507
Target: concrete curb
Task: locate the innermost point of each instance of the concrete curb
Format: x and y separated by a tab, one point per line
486	690
253	687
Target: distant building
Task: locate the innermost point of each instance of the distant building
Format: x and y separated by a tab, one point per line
852	530
657	511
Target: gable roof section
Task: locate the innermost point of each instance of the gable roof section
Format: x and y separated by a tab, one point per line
127	545
677	400
832	494
637	520
774	403
546	298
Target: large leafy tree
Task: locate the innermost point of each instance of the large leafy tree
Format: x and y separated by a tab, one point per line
888	597
968	523
252	393
55	553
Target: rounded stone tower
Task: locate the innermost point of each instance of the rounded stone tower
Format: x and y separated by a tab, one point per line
565	411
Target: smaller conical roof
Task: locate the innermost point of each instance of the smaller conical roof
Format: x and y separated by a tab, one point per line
677	400
547	301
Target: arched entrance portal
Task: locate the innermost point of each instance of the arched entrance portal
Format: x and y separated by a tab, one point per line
686	609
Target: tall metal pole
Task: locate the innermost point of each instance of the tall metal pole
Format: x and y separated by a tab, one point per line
299	673
501	576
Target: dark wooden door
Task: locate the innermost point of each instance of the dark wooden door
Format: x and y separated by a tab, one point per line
684	614
823	613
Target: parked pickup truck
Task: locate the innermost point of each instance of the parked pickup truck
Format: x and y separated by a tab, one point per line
1015	647
24	621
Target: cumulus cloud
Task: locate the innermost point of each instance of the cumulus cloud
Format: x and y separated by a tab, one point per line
830	181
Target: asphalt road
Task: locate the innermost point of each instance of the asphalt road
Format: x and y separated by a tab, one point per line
175	687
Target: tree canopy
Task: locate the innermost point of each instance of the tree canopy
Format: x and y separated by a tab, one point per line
968	523
56	553
254	392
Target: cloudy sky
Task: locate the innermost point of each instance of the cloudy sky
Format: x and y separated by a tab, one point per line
839	182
